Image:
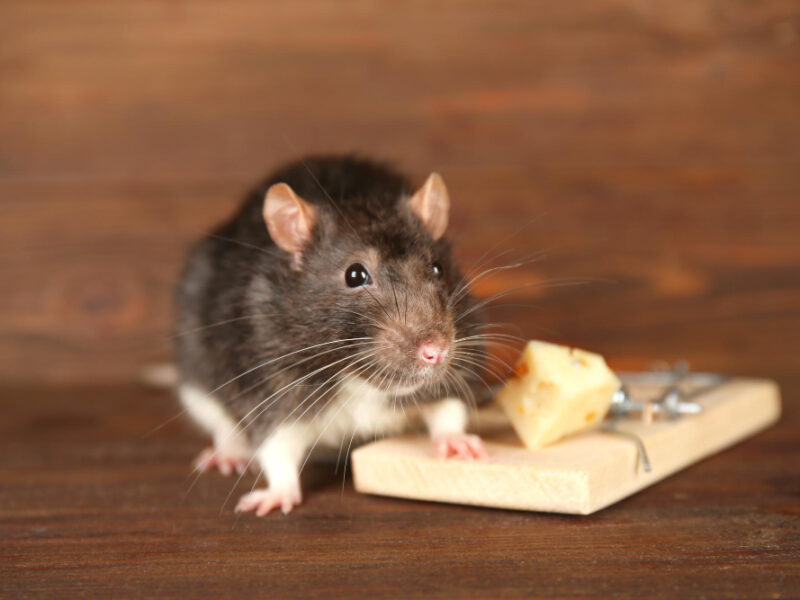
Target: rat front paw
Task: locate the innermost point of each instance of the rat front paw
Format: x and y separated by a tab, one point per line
226	463
463	446
263	501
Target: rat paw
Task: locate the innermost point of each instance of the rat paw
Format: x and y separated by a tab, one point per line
226	463
463	446
263	501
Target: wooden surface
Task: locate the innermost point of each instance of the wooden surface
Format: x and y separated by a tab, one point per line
650	147
580	474
91	505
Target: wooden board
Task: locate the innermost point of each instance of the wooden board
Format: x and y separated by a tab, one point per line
579	475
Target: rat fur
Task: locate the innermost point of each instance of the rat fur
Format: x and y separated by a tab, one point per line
278	354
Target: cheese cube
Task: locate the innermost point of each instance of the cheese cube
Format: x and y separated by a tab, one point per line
556	391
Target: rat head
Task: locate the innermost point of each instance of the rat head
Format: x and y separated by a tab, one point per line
374	269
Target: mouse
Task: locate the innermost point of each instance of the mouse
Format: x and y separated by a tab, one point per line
326	311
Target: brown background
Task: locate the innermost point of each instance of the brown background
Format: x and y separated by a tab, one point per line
650	147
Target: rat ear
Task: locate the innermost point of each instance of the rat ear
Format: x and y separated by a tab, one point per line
289	219
431	204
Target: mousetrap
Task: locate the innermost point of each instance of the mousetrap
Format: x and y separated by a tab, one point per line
659	423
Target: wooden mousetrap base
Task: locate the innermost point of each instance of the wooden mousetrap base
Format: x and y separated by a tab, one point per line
578	475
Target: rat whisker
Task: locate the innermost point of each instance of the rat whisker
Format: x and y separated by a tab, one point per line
553	283
394	293
403	383
481	347
347	458
482	354
369	357
482	358
379	386
347	454
320	387
465	389
499	342
279	393
449	386
526	260
290	386
272	252
378	325
379	303
245	470
219	324
230	493
333	417
467	393
500	325
504	241
282	357
507	342
327	195
196	473
459	293
477	266
247	466
164	424
491	335
463	359
490	359
294	364
475	374
265	379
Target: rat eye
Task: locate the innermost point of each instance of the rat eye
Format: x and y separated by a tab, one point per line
357	275
437	270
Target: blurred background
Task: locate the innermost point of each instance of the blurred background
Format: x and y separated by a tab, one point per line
651	149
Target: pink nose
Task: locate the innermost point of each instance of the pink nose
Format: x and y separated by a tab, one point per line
431	353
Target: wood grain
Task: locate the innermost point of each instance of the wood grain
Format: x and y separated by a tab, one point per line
92	505
650	147
580	474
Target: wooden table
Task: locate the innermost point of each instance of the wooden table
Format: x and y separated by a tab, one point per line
92	505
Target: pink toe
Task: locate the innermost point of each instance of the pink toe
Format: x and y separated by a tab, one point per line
464	451
462	447
265	508
441	449
205	460
479	450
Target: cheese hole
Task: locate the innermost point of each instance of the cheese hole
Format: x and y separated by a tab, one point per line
578	360
521	370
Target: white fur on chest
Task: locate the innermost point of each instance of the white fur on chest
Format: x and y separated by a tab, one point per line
359	409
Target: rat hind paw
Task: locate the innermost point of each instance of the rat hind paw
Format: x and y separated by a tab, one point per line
227	464
263	501
459	445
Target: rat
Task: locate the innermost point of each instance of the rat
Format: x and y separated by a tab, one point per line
328	308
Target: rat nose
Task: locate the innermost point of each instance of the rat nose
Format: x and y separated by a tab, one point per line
431	352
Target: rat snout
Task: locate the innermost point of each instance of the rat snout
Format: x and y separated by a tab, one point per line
432	352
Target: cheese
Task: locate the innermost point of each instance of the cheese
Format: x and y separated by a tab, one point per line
556	391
